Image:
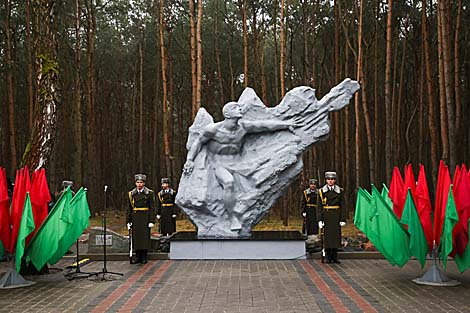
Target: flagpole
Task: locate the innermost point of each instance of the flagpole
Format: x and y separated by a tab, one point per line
435	276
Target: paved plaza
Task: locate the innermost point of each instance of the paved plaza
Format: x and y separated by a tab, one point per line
355	285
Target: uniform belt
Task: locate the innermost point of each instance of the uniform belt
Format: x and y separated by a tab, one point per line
167	204
140	209
331	207
311	205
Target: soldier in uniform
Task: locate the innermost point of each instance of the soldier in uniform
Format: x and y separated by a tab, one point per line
141	217
331	214
166	212
309	210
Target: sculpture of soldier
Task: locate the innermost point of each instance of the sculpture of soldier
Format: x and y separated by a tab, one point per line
331	215
309	210
141	217
166	212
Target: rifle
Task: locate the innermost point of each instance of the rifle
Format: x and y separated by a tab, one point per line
322	230
131	248
322	234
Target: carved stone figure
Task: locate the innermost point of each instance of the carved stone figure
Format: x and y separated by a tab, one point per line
237	168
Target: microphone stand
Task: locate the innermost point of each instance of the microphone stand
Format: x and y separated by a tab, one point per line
105	271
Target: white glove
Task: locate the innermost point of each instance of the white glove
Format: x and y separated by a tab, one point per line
304	214
129	225
151	225
321	224
342	224
158	217
174	216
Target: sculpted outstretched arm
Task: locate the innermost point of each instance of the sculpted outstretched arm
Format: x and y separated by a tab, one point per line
206	135
268	125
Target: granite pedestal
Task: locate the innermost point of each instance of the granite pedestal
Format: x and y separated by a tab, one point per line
262	245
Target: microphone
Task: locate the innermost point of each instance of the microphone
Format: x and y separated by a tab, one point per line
105	188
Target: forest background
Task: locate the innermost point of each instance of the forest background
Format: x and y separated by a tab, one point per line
97	90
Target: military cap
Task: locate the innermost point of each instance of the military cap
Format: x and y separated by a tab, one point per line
330	175
140	177
312	181
165	180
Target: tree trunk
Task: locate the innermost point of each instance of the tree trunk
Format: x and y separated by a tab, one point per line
282	50
429	89
442	94
313	77
193	58
41	142
217	55
166	118
276	74
140	159
245	45
198	55
29	70
388	89
10	92
458	102
449	91
78	167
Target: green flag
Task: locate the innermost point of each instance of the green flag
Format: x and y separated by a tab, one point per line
418	242
45	242
393	237
463	261
385	196
26	228
77	218
2	250
450	219
363	215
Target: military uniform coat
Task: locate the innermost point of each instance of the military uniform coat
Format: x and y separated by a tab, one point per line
331	210
309	206
167	208
140	218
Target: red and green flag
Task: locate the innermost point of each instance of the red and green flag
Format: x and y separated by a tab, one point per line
418	243
26	227
423	206
5	231
461	193
450	219
396	192
22	186
442	193
44	244
40	197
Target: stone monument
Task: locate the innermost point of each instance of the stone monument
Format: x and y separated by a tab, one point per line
237	168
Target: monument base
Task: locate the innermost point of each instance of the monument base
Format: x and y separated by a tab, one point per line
262	245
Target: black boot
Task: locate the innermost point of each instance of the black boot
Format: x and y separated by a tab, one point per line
144	257
138	256
329	257
335	256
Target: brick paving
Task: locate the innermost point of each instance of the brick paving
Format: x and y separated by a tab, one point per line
240	286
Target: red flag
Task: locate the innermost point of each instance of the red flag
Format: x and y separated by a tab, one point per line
423	205
5	231
442	193
410	181
22	185
396	192
40	197
461	193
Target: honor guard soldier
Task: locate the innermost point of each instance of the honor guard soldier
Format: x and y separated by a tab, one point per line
309	210
331	215
141	217
166	212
